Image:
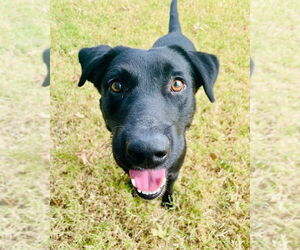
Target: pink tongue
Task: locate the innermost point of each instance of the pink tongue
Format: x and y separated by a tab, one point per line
148	180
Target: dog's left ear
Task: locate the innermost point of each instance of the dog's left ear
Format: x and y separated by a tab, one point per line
205	69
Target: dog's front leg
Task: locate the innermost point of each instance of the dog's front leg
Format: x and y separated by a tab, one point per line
167	199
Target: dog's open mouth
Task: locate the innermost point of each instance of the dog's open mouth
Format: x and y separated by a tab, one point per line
149	183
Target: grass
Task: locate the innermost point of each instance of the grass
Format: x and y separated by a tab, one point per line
91	203
24	126
275	127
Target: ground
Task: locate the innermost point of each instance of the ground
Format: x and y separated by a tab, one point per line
91	202
275	125
24	126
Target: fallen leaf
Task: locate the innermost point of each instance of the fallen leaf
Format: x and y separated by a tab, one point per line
213	156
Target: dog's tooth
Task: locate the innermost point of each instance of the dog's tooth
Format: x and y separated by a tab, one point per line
133	182
139	191
157	190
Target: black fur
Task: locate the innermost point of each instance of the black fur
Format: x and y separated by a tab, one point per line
174	25
147	117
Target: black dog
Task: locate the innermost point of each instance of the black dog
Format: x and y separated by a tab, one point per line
147	101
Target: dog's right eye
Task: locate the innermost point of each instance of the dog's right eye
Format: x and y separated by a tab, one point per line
116	87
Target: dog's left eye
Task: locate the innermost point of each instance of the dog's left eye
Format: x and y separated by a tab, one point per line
116	87
177	85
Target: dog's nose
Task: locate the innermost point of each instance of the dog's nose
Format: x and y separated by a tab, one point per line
151	150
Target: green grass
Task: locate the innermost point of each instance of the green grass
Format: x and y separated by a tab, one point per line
24	126
275	127
91	203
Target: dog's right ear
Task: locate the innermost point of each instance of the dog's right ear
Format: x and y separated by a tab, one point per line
92	61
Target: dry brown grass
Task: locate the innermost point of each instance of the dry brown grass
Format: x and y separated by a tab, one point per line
275	127
91	203
24	126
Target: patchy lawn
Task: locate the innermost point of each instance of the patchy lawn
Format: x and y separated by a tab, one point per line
275	126
24	126
91	203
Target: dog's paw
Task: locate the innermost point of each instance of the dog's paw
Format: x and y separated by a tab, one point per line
168	206
168	203
133	193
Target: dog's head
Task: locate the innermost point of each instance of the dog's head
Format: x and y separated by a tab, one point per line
147	101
